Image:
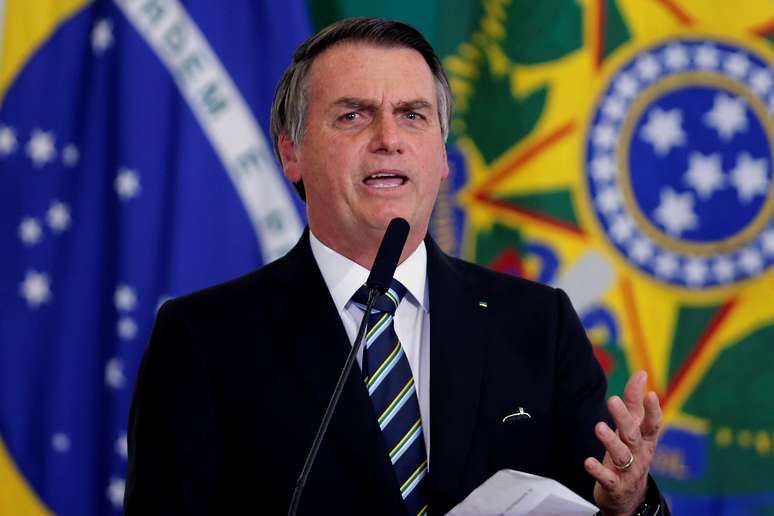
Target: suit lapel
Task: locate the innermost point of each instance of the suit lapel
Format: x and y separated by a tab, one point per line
457	353
320	346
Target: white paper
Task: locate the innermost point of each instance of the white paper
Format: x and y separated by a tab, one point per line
514	493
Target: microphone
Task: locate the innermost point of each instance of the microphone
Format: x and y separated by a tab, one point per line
378	283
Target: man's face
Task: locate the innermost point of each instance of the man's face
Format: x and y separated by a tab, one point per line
372	148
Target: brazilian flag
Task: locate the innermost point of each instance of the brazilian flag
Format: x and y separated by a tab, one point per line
622	150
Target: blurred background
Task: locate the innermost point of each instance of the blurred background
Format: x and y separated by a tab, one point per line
619	149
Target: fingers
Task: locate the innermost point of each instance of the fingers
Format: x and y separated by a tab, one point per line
606	477
628	426
634	391
651	424
619	453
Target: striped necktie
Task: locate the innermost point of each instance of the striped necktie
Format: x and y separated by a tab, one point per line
394	397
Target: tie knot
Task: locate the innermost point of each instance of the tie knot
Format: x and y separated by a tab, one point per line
387	302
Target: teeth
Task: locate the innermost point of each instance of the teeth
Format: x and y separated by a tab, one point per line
380	175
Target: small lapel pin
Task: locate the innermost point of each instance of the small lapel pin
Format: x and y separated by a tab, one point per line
517	416
483	304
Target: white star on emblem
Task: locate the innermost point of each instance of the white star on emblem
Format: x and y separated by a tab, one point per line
666	265
102	36
723	268
70	155
664	130
750	261
30	231
614	108
626	86
58	216
727	116
125	298
7	140
115	492
36	288
641	250
622	228
749	177
40	147
761	81
704	174
648	67
127	184
767	239
675	212
127	328
609	200
676	57
114	373
707	57
695	272
60	442
605	136
603	168
121	446
736	65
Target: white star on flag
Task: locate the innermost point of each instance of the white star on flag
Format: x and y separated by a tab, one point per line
707	57
127	184
727	116
121	446
127	328
723	269
603	167
695	272
114	374
30	231
750	261
58	216
70	155
7	140
641	250
737	65
115	492
626	86
666	265
614	108
125	298
761	81
648	67
101	36
675	212
40	147
605	136
664	130
749	177
60	442
622	228
676	57
36	288
704	174
609	200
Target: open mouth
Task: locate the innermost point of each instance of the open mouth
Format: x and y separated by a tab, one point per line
385	180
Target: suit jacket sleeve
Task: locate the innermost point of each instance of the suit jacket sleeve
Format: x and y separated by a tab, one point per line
175	462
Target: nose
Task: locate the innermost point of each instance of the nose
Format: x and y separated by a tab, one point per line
386	136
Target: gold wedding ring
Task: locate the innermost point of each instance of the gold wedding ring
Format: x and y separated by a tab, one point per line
627	465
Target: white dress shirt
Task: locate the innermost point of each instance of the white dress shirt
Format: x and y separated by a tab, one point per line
412	318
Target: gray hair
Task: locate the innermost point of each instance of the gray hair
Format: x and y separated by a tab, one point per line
288	109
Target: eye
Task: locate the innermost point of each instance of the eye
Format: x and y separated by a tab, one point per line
414	116
351	116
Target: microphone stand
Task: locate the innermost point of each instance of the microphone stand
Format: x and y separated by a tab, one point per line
373	293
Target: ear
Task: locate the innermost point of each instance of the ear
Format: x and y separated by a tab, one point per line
445	172
289	156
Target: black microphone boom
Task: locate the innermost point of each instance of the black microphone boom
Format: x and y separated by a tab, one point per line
378	283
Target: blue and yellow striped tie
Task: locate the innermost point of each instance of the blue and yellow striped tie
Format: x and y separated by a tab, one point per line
394	397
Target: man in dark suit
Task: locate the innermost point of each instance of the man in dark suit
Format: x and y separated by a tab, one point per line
236	378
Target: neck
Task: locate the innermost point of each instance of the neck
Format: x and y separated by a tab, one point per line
363	250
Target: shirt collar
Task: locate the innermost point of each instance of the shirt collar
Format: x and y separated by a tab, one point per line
343	276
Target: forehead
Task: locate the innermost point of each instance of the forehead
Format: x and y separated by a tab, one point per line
363	70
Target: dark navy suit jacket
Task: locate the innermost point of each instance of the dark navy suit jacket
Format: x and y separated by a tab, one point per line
235	380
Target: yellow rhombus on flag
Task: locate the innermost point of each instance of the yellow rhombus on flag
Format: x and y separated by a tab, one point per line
623	150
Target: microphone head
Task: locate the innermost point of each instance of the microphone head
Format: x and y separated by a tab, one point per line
387	257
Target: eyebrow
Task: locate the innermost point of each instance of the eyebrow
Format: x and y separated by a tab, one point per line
360	103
